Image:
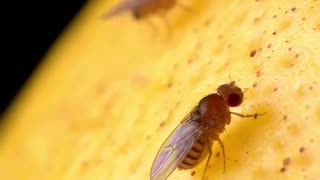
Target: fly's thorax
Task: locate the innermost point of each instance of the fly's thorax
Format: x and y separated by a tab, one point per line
214	113
220	125
212	108
217	124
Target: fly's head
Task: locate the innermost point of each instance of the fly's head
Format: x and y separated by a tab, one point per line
231	94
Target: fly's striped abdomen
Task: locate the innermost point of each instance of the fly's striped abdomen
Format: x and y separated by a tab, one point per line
196	154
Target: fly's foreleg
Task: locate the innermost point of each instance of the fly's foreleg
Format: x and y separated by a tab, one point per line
248	115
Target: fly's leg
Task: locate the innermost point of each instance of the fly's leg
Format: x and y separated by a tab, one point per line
223	153
248	115
216	137
209	146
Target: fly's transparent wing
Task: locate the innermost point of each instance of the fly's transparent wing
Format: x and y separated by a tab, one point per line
174	149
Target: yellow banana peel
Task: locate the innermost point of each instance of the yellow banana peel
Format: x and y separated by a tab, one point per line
110	91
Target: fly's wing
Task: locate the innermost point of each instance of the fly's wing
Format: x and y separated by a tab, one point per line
125	5
174	149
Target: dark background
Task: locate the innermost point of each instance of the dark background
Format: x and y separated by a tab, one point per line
30	27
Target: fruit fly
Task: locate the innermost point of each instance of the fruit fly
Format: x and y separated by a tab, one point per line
141	8
191	142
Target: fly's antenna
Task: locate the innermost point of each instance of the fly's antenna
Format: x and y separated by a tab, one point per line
230	78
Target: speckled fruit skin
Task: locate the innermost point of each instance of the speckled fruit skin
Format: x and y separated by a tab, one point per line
109	92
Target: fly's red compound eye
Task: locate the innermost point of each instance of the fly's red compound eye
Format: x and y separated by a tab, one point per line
234	99
231	94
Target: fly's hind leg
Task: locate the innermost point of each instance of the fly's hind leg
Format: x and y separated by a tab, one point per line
223	153
209	146
248	115
215	137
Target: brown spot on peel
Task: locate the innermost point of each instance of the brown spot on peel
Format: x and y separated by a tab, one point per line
286	161
253	53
